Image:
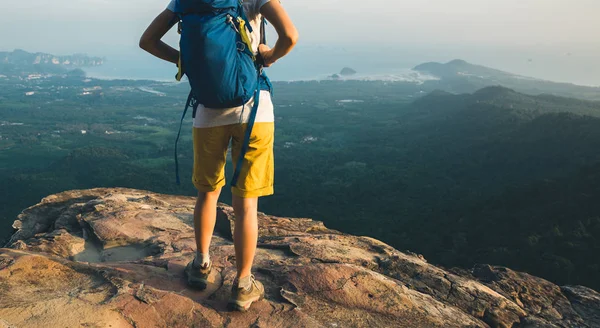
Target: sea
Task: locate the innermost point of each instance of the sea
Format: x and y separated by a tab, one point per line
554	63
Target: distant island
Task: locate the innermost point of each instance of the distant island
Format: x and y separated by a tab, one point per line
20	62
346	71
459	67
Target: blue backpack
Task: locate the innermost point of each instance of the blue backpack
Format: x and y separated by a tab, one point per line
216	55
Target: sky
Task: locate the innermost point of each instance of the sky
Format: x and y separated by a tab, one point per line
113	27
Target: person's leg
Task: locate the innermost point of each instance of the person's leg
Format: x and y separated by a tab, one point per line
205	216
210	151
255	180
245	235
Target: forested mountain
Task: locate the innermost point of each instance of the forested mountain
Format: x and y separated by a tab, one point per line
452	175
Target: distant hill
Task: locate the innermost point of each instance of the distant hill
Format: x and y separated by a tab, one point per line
517	103
20	62
459	76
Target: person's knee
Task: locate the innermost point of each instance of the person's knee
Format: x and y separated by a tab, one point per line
210	196
244	205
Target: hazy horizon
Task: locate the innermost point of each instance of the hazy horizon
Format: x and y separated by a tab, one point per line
554	41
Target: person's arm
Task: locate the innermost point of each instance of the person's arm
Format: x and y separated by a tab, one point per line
286	31
151	39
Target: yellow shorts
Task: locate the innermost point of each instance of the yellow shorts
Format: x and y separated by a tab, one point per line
210	154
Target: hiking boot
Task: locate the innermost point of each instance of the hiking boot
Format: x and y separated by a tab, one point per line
197	276
241	299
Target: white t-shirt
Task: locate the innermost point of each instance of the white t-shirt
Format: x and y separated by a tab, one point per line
207	117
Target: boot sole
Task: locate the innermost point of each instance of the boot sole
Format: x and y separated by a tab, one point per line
198	284
243	306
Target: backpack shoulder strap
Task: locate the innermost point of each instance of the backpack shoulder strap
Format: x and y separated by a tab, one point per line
247	134
254	110
263	32
191	101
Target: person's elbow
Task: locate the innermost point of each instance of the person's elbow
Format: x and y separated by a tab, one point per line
291	37
145	43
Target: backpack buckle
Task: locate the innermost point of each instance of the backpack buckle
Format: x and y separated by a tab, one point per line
240	46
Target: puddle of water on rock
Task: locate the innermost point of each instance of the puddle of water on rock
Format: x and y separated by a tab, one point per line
91	253
126	253
95	254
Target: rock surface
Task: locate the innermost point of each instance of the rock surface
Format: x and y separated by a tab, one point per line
115	258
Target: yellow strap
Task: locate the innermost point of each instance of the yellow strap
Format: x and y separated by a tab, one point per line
180	71
245	36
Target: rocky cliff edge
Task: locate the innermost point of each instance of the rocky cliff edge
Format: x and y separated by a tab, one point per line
115	258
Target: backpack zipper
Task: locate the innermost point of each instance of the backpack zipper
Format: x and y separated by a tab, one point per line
230	21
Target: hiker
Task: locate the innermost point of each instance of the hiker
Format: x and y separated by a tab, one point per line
214	128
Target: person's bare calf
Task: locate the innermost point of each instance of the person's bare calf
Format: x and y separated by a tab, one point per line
246	289
205	216
245	234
